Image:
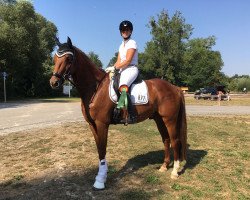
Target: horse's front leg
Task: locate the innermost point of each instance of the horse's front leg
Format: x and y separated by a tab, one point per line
100	131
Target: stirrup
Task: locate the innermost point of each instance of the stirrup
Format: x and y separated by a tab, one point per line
116	116
129	120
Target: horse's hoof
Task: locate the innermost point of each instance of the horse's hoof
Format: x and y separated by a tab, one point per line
182	166
174	176
98	186
181	170
163	169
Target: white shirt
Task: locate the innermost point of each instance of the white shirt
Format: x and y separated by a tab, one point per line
125	45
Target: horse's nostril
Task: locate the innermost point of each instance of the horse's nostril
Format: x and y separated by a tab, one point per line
56	84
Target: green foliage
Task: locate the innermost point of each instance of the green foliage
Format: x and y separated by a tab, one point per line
237	83
163	56
26	40
113	60
202	64
95	59
171	55
5	2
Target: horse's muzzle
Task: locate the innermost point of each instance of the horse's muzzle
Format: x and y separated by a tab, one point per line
55	83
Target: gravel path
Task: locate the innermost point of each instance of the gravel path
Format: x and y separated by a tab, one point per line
217	110
29	115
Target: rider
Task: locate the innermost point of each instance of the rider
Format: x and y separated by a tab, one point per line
127	61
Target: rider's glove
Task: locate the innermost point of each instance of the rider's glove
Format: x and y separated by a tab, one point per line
110	69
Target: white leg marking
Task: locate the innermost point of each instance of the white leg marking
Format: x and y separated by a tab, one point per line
163	168
174	173
101	177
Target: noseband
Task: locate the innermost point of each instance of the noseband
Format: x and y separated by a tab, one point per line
66	75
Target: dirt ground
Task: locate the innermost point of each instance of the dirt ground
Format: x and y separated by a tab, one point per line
61	164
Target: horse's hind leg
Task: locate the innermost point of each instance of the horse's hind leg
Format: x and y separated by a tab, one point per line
176	145
166	141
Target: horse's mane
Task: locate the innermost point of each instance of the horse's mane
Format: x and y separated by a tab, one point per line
99	72
87	59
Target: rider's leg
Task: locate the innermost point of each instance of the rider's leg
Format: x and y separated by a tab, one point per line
124	103
128	75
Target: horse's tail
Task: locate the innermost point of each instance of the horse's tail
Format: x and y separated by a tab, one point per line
183	128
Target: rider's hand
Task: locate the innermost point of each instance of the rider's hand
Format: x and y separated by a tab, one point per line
110	69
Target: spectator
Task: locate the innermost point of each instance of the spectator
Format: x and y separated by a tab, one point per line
244	90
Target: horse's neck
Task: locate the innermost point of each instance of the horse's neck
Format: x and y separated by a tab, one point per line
87	76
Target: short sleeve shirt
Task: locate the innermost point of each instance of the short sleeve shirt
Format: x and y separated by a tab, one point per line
125	45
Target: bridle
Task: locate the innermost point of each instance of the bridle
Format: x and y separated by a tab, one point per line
66	75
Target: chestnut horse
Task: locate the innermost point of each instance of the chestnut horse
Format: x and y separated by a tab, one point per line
166	106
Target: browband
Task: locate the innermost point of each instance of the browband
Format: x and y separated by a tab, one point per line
63	54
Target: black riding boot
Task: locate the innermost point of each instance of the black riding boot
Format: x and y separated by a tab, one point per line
132	114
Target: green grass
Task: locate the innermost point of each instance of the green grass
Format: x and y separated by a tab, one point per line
134	194
67	99
217	167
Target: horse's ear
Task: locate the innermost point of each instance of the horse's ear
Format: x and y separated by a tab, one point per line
69	43
58	42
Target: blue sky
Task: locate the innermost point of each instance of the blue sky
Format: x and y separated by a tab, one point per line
93	25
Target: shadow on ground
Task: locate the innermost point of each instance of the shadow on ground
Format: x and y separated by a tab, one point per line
78	185
156	157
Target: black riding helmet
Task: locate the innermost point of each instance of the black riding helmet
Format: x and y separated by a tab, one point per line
126	25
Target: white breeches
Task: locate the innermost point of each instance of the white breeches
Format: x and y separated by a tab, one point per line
128	75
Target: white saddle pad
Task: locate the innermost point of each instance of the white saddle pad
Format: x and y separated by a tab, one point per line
139	93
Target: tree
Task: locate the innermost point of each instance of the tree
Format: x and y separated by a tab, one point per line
163	56
27	40
202	64
7	2
113	60
237	83
95	59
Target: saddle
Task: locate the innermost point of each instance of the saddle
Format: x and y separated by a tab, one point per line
116	81
137	95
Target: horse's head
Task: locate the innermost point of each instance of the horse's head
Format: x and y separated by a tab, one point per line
63	60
